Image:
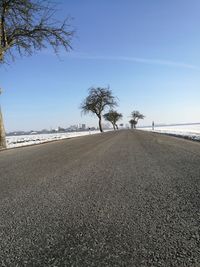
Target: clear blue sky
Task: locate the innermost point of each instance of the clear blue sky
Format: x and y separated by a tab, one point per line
147	51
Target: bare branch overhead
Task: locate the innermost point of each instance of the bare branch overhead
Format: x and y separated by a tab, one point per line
30	25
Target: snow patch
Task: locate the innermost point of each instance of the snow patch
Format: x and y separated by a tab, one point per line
189	131
25	140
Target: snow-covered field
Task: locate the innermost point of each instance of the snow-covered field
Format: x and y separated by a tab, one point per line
190	131
24	140
187	131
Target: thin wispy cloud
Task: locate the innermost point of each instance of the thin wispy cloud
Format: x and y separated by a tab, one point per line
160	62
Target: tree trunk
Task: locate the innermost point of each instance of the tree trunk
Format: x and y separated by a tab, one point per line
2	130
116	126
113	126
1	55
100	126
2	133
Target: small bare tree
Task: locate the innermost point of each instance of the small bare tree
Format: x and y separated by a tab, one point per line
27	26
113	117
132	123
97	101
136	116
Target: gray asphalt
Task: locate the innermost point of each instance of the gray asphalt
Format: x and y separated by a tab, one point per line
126	198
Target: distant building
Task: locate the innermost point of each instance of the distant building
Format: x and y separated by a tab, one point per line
60	129
83	126
72	128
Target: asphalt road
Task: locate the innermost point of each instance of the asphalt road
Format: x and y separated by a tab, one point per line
126	198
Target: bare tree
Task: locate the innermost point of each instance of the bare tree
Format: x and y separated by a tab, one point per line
97	101
113	117
136	116
27	26
132	123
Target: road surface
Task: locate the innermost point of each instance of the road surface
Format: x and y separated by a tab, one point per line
126	198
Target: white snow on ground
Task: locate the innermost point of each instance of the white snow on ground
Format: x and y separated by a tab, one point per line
187	131
24	140
190	131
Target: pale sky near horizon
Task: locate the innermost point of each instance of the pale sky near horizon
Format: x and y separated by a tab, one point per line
147	51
